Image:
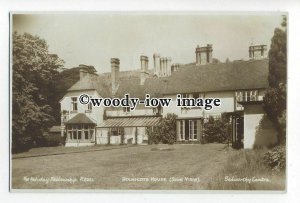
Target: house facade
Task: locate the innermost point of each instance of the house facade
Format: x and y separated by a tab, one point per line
240	85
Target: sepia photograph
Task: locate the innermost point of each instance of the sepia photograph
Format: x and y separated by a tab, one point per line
158	101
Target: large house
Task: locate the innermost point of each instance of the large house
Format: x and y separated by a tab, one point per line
240	85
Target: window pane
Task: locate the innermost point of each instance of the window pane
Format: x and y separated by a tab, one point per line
195	129
79	135
190	129
75	135
86	135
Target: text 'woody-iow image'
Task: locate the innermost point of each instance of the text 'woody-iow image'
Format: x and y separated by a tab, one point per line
148	101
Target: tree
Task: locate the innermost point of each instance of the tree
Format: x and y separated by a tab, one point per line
168	129
278	57
275	97
165	132
216	130
32	88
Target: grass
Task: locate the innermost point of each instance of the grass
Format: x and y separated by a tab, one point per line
108	167
150	167
248	164
46	151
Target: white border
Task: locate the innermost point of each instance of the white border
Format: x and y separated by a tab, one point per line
293	7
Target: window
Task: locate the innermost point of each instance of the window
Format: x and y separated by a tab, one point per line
126	109
74	103
86	135
90	106
86	132
185	95
250	95
80	132
253	95
117	131
193	129
155	111
181	129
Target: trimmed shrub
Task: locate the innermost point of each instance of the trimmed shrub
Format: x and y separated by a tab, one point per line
49	140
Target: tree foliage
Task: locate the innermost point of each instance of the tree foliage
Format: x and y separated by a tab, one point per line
165	132
32	88
275	97
278	57
216	130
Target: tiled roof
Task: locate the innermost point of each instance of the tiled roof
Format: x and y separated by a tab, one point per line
130	122
130	86
93	83
80	118
237	75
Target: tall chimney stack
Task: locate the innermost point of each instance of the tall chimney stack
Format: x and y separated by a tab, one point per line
204	54
115	69
156	64
169	60
82	73
86	70
144	69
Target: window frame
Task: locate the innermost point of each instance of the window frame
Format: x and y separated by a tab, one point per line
74	103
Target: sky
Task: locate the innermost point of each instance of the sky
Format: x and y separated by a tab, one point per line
94	38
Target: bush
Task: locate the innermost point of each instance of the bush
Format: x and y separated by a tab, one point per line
165	132
276	158
216	130
48	140
153	135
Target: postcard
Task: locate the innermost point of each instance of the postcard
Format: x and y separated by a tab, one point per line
138	101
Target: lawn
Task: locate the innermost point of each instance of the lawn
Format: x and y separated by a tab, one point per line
146	167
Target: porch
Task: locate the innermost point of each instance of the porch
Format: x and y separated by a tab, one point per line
80	131
125	130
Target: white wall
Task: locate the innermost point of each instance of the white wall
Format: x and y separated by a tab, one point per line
141	110
227	105
258	129
129	134
97	112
